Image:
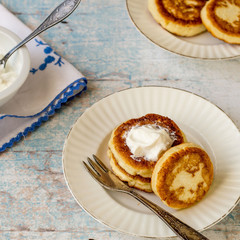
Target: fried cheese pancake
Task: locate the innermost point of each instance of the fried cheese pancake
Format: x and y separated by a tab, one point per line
181	17
136	181
122	153
222	19
182	176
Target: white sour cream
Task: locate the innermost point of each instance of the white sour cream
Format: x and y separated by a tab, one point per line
7	75
148	141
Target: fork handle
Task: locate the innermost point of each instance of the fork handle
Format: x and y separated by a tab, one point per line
180	228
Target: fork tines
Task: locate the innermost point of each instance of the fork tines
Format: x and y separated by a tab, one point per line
97	167
100	163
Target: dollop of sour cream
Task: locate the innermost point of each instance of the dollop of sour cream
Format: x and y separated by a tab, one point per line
7	75
148	141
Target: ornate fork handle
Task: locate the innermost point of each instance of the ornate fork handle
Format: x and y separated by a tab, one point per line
110	181
58	14
175	224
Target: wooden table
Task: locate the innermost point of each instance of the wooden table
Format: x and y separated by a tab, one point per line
100	40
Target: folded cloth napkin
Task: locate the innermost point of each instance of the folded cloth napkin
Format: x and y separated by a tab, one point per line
51	82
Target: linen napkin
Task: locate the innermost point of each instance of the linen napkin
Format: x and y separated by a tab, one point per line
51	82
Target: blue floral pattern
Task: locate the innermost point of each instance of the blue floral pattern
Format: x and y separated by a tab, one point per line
52	57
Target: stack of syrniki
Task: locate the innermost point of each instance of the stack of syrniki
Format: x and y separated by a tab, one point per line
150	153
137	144
188	18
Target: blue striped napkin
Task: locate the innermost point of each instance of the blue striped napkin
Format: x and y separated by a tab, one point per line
51	82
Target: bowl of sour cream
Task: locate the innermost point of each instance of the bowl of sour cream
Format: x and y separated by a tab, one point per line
16	71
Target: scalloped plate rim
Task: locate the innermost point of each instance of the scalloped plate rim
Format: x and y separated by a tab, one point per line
181	41
92	213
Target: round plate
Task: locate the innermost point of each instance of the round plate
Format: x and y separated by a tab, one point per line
201	121
203	46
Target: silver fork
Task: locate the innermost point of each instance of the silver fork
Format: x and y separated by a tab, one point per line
110	181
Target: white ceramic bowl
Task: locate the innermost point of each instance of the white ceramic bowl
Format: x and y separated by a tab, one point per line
19	61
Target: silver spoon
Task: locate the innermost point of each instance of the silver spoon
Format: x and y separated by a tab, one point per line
58	14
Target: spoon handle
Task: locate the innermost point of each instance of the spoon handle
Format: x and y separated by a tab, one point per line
58	14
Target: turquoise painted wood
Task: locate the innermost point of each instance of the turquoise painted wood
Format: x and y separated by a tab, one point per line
100	40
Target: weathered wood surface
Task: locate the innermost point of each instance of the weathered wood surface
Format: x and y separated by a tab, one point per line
100	40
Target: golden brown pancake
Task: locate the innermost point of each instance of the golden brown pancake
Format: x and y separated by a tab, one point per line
182	176
136	181
181	17
222	19
121	152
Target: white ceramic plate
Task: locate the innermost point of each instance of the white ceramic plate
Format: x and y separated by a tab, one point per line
201	121
203	46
